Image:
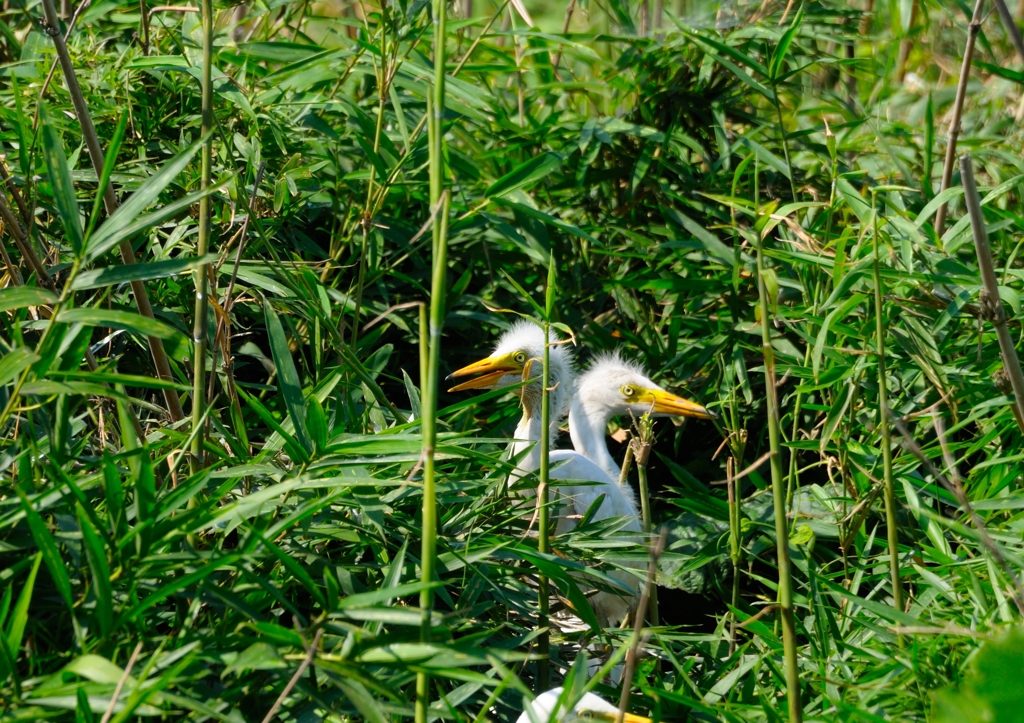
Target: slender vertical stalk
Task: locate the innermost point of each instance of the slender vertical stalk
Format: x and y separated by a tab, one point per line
905	43
883	427
735	547
644	443
778	495
423	344
785	140
544	516
958	108
1011	27
202	276
636	640
627	462
565	29
991	304
438	200
92	142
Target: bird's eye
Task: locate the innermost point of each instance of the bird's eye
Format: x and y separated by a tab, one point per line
627	390
520	357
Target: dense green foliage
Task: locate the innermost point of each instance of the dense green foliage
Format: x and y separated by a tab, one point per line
648	167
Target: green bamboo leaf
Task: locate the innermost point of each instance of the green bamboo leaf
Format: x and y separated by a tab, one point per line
291	444
97	555
778	59
128	220
525	174
18	297
836	314
131	380
182	582
316	422
83	709
48	388
109	162
19	619
835	416
115	319
296	570
15	362
125	273
48	547
60	179
287	376
362	700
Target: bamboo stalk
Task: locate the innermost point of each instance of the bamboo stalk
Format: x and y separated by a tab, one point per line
636	640
428	394
778	495
958	107
544	515
644	443
991	304
883	426
905	43
1011	27
735	546
26	216
28	254
202	278
92	142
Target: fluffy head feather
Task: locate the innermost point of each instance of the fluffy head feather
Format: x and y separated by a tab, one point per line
526	337
615	385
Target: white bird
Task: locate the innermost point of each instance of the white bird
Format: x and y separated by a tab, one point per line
519	349
589	707
612	386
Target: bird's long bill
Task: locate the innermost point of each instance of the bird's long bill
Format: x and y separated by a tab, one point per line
611	717
491	370
667	403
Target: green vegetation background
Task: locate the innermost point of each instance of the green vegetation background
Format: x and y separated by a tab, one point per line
648	165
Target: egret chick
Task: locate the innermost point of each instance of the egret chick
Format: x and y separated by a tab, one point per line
589	707
518	351
612	386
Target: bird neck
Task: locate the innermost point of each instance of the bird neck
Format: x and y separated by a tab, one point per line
527	433
587	426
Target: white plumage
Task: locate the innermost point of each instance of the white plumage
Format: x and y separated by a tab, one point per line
523	344
612	386
589	707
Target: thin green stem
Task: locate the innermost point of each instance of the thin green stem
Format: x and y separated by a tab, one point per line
544	520
883	426
645	443
785	140
438	198
781	523
735	547
199	330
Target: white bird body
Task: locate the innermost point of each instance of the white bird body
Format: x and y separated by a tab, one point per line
611	386
520	349
589	707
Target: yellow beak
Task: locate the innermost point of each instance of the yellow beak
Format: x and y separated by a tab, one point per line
611	717
666	403
492	369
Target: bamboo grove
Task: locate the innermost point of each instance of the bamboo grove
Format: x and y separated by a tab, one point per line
243	246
